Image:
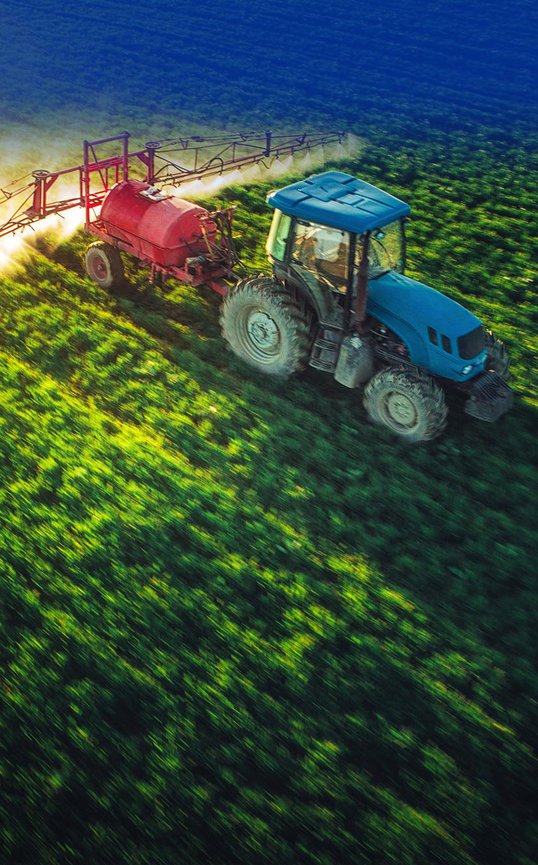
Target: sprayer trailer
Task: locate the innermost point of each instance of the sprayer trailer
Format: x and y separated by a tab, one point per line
336	297
174	237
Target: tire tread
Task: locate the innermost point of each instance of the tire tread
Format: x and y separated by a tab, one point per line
429	395
297	321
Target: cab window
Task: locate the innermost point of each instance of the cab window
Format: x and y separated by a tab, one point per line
322	251
278	235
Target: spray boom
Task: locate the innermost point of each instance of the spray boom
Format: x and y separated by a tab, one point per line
169	162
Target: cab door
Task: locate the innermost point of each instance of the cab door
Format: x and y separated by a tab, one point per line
320	255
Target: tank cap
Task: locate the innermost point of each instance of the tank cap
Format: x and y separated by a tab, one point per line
154	194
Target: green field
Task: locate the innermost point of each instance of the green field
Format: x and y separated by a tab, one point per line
238	622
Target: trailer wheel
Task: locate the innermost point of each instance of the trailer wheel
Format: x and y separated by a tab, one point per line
103	264
498	359
411	405
267	327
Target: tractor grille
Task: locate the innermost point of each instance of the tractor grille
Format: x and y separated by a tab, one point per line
489	398
472	343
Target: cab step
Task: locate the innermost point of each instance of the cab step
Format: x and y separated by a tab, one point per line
325	349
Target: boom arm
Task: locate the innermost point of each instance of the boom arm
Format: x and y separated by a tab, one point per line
170	162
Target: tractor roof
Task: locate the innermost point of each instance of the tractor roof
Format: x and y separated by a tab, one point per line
340	201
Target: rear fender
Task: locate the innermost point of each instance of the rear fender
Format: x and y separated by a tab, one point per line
321	301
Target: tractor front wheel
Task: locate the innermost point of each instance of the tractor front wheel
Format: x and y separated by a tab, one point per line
103	264
411	405
266	326
497	359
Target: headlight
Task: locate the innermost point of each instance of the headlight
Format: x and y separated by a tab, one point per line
467	369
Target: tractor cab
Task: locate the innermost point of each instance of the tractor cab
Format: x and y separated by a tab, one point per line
319	229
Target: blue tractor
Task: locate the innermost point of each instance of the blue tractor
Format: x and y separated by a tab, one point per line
338	301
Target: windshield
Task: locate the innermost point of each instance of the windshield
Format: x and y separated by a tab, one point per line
386	250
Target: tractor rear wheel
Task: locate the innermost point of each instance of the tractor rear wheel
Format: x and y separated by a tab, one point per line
411	405
103	264
266	326
498	359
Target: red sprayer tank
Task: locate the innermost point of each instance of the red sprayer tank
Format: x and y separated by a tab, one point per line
161	228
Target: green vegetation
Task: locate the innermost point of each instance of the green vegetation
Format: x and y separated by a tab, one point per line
240	624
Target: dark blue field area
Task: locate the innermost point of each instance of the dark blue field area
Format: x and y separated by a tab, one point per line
225	62
240	624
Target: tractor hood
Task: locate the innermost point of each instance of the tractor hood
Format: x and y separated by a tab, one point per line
427	321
